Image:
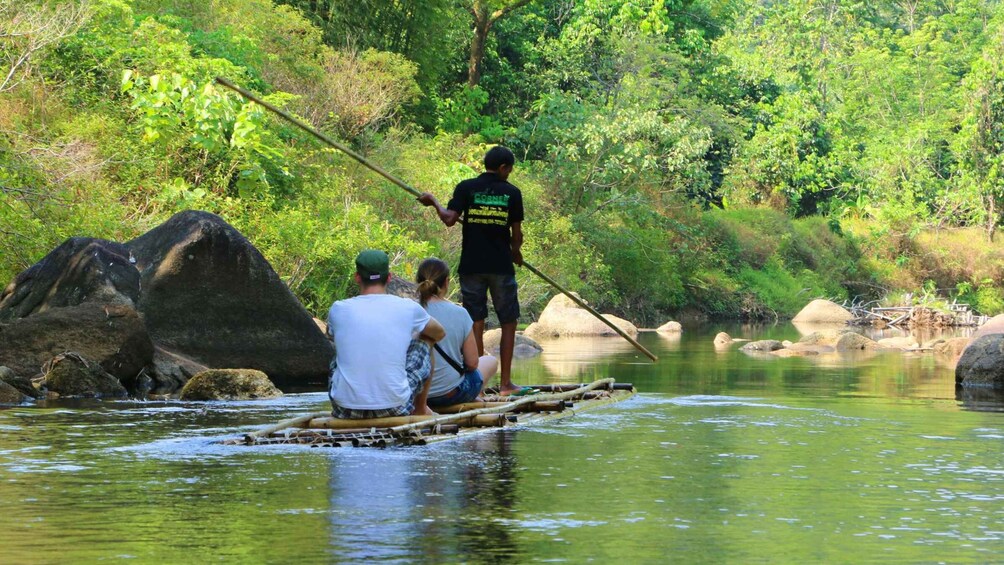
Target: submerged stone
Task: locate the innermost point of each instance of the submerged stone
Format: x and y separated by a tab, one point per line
764	345
525	347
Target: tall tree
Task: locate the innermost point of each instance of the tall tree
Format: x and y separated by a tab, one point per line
485	14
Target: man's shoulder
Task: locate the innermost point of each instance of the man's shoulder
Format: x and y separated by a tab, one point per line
469	183
378	302
512	187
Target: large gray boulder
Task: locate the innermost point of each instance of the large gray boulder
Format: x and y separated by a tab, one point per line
209	295
821	311
229	384
193	286
564	318
78	271
982	363
114	337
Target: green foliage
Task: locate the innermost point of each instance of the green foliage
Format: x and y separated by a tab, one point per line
230	136
463	113
647	280
728	156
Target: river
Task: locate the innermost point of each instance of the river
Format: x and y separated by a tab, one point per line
721	457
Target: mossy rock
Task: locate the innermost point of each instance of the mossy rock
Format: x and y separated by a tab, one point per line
229	384
764	345
8	393
839	340
69	374
21	384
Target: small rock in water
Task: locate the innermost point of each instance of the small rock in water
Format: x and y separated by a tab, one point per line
525	348
723	340
670	327
69	374
229	384
765	345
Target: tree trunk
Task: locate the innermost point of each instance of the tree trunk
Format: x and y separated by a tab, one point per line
991	219
484	19
482	25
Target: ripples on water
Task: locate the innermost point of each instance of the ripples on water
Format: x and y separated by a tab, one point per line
721	458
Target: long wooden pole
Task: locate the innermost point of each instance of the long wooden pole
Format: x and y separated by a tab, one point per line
591	310
414	192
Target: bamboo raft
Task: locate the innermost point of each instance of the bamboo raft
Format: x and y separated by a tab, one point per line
551	403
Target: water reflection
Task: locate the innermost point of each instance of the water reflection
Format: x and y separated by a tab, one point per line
670	340
981	399
439	504
721	458
569	359
806	328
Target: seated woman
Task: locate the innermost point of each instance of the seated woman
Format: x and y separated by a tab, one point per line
459	375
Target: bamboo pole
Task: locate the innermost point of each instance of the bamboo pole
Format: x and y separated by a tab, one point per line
539	406
414	192
588	308
290	423
503	408
471	420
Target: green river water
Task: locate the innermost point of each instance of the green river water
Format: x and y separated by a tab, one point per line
721	457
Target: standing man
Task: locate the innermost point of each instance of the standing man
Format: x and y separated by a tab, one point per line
492	212
382	366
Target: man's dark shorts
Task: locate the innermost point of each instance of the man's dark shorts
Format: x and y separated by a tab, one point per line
475	289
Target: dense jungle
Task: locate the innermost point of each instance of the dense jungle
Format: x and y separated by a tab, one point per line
703	158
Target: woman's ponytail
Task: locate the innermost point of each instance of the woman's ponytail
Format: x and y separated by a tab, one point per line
431	278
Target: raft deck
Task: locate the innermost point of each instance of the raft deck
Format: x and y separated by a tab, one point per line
551	403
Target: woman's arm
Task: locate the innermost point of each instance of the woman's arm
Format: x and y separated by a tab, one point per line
470	351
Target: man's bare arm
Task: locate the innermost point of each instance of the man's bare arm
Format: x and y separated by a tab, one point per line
433	331
516	243
447	216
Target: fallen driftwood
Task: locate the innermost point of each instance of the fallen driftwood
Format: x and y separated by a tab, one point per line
915	316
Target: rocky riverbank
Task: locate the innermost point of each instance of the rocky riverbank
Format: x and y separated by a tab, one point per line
189	295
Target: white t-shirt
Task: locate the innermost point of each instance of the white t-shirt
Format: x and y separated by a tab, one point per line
372	333
458	324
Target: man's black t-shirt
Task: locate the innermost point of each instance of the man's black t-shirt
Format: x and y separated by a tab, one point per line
489	206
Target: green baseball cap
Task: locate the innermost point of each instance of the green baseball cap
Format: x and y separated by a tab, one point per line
372	264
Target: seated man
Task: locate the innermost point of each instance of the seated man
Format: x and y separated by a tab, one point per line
382	364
